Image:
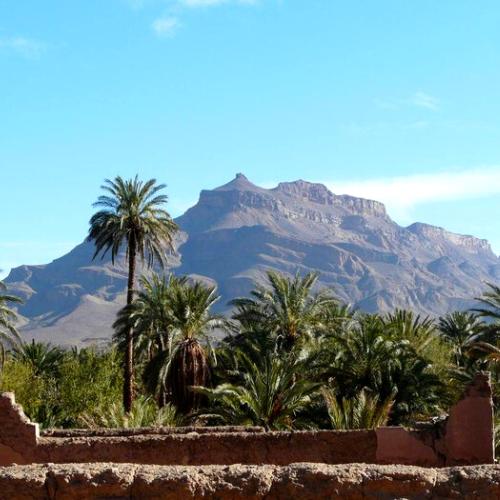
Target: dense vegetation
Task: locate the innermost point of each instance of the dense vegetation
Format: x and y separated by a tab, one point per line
289	357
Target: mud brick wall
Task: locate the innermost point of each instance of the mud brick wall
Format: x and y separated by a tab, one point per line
464	438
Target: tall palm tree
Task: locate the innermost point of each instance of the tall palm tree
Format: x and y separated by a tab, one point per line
9	336
132	214
287	308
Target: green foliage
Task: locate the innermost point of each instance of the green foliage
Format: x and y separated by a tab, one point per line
287	309
384	356
43	359
30	390
463	332
88	380
271	393
144	413
56	387
148	316
172	322
293	359
362	411
132	212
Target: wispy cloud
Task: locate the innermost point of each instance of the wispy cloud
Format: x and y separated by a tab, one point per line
165	26
419	99
423	100
402	193
25	47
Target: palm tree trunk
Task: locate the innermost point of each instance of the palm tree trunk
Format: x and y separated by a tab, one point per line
128	381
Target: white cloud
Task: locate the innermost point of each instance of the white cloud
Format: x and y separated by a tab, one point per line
168	24
401	194
26	47
423	100
165	26
419	99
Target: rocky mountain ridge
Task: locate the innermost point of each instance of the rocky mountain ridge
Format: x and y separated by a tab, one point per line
236	232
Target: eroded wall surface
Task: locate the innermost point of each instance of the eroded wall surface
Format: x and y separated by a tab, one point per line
304	481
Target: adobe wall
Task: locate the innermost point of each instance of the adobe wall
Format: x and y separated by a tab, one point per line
465	438
217	448
304	481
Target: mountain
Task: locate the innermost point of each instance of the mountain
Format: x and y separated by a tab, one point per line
235	233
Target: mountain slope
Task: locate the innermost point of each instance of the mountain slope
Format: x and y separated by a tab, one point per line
238	231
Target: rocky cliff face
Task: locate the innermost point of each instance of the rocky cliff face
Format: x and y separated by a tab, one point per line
238	231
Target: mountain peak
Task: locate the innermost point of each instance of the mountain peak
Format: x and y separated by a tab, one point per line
239	183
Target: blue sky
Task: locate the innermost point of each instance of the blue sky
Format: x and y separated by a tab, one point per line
396	101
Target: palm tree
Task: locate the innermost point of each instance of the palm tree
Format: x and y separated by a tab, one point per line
459	329
147	316
42	358
270	393
488	338
419	332
132	214
362	355
144	413
491	303
373	356
362	411
9	336
190	321
286	309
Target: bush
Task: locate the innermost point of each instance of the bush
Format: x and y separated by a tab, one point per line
144	413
